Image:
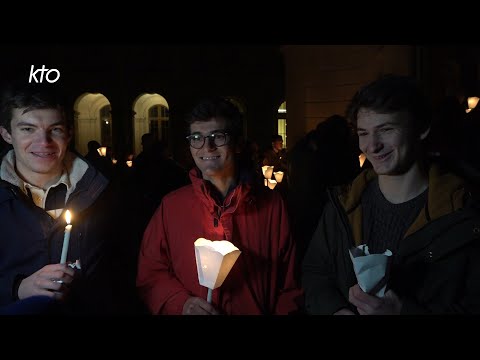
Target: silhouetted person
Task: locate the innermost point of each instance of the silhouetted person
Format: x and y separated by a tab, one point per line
337	151
326	156
250	159
155	176
276	155
446	132
101	163
148	140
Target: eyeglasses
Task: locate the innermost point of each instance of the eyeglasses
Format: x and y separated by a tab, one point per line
219	138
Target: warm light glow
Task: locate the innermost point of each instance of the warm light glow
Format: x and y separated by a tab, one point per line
129	163
468	110
272	183
278	176
361	158
102	151
268	172
265	181
472	102
114	161
68	216
214	260
282	110
264	168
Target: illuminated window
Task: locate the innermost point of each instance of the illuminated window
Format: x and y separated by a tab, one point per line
282	122
158	122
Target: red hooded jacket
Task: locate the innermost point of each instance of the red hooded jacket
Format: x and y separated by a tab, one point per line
262	281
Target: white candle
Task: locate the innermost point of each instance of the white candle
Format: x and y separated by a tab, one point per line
66	238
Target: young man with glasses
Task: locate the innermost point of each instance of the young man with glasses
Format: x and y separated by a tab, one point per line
220	204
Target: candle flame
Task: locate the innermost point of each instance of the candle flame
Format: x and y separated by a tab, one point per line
68	216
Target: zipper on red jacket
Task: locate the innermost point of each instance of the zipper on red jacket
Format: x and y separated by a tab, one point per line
215	222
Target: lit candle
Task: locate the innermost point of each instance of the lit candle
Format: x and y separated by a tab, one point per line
66	237
269	172
278	176
214	261
272	183
102	151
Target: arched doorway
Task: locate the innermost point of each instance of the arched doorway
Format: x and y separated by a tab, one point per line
151	116
93	121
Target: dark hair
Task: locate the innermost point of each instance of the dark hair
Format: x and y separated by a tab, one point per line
392	94
219	108
93	145
31	97
277	137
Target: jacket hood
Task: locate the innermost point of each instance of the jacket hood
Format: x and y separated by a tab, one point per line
445	195
203	190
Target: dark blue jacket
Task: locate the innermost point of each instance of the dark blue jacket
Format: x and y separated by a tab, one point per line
31	239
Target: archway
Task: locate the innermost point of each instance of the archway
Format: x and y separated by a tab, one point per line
93	121
151	116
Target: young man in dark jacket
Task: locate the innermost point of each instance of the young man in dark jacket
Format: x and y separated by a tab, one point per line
40	179
419	210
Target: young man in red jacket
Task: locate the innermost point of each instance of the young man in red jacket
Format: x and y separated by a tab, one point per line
222	203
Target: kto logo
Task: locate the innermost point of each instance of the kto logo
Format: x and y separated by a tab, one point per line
43	71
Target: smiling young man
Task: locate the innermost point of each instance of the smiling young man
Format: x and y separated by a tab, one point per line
39	180
405	203
221	204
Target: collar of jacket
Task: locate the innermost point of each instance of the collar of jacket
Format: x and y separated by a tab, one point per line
445	195
87	189
7	191
203	188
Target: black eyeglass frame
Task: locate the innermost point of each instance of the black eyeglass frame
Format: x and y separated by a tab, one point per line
212	138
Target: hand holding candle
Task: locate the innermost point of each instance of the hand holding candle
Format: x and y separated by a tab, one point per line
66	237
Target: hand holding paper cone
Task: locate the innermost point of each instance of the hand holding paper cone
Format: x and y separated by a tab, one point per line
370	269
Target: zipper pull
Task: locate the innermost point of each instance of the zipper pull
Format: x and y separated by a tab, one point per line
215	222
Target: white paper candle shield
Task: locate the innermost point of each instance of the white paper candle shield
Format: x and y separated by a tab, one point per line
214	259
370	268
264	168
102	151
272	183
269	172
278	176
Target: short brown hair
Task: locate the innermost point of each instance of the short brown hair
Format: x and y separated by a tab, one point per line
220	108
392	94
31	97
